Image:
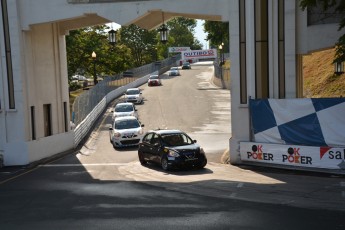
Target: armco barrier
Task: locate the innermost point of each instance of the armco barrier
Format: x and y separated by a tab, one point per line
84	127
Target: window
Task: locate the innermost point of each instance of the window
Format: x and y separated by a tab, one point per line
261	49
8	55
65	116
33	124
281	48
243	57
147	138
47	120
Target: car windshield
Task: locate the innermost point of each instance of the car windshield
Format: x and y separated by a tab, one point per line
186	64
176	139
132	92
154	77
174	68
126	124
124	108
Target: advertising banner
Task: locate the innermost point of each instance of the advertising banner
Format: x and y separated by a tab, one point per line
301	121
294	155
178	49
199	54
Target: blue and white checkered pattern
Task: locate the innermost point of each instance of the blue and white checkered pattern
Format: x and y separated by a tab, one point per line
310	122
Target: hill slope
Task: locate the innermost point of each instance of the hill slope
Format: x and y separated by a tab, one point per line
319	78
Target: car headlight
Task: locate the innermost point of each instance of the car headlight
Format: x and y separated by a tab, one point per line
173	153
141	132
117	135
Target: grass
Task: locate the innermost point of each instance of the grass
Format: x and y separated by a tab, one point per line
319	77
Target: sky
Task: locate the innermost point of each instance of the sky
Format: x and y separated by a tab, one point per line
200	34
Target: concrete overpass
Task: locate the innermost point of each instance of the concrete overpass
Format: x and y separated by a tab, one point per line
267	41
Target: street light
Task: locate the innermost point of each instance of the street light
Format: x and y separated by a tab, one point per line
163	31
93	55
221	54
338	67
112	37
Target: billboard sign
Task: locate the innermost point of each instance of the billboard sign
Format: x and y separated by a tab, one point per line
199	54
294	155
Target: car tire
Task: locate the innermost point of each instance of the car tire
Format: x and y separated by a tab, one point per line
164	164
202	165
141	159
114	146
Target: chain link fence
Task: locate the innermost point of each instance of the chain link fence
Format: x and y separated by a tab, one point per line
221	73
87	101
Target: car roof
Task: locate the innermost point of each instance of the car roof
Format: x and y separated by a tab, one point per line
124	103
155	75
166	131
125	118
133	89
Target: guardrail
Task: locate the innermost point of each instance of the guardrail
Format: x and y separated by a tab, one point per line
88	106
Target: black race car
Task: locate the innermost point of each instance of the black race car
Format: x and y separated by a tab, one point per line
171	149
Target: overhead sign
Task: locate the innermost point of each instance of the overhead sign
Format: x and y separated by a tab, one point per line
199	54
294	155
178	49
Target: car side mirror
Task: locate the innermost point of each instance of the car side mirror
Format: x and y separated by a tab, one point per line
142	125
194	141
110	128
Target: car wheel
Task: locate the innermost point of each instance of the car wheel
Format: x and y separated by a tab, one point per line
202	165
114	146
164	164
141	159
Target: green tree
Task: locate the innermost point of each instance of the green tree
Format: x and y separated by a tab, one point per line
182	31
140	41
218	33
336	7
82	42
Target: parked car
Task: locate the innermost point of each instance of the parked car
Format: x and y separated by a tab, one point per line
174	71
126	131
79	78
124	109
186	65
170	149
133	95
154	80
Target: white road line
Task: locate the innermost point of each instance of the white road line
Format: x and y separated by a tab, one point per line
240	185
342	184
82	165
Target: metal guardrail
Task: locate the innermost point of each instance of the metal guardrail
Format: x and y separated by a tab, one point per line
86	102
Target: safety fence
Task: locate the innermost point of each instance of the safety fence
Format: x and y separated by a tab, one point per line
222	74
88	106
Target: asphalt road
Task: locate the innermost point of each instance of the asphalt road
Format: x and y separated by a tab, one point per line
98	187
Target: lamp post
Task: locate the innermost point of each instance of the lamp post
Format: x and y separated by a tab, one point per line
163	31
220	54
112	37
93	55
338	67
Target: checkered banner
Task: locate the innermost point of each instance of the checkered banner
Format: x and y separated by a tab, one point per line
307	122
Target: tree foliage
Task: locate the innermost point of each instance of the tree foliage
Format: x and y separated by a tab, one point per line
82	42
218	33
135	47
337	7
140	41
182	31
